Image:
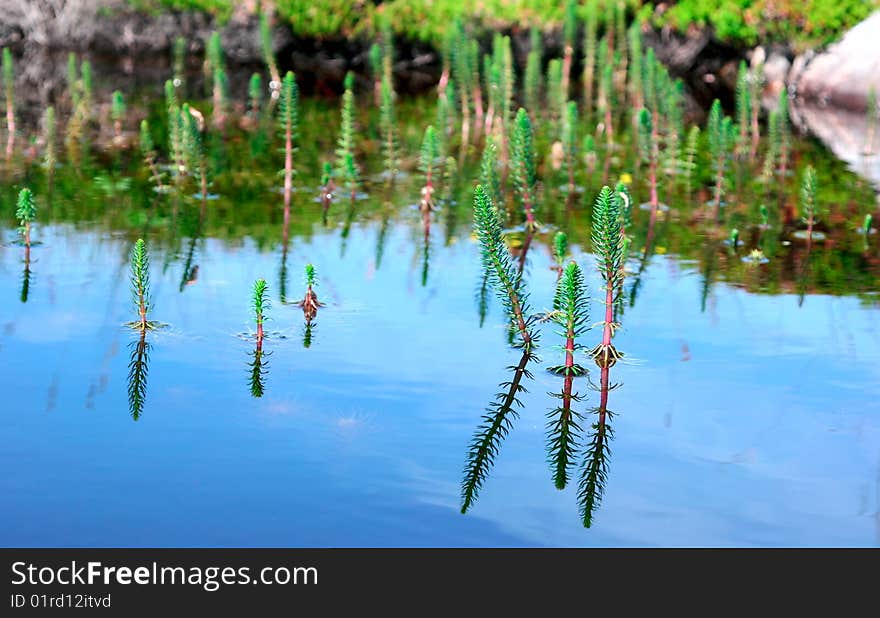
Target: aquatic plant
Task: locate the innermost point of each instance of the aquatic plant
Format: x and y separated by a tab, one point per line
257	369
176	150
194	152
756	86
591	27
148	151
117	112
555	95
497	420
310	303
635	67
50	156
523	164
327	186
26	213
388	124
374	58
255	97
809	208
445	106
346	168
784	132
73	84
532	78
179	62
648	153
288	124
220	97
560	249
774	145
269	54
259	304
605	100
721	137
86	89
591	488
690	163
427	161
138	369
569	34
9	91
489	174
140	285
569	141
571	315
213	54
733	238
607	239
744	104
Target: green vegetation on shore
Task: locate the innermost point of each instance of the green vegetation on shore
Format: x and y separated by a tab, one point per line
739	22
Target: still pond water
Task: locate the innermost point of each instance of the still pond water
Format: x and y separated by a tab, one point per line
747	411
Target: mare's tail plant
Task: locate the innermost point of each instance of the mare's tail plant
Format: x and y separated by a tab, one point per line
310	303
523	162
607	238
117	113
756	84
50	156
260	303
148	151
140	285
489	175
196	162
721	137
26	213
388	122
809	209
560	249
176	150
690	163
563	429
179	62
255	98
591	27
591	488
497	420
649	154
427	163
138	368
288	123
269	54
569	34
532	78
346	168
9	91
744	103
569	141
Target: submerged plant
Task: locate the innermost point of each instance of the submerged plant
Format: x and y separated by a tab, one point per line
591	488
288	123
140	285
9	90
497	420
346	169
26	213
571	315
523	162
260	303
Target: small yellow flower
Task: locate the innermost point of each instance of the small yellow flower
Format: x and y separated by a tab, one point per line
626	178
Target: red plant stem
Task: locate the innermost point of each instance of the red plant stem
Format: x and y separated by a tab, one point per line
490	118
756	132
603	397
259	330
142	308
525	249
27	234
569	370
809	232
609	309
570	174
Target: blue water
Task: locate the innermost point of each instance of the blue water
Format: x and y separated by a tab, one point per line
753	422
